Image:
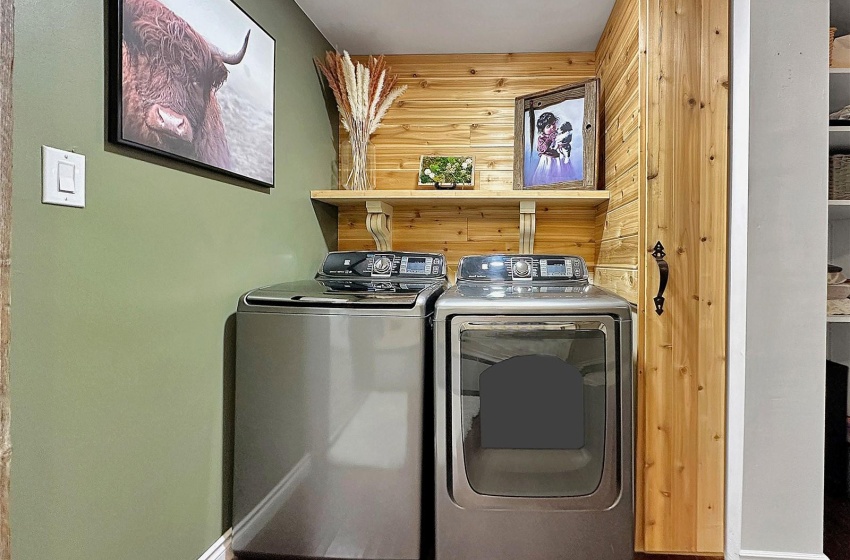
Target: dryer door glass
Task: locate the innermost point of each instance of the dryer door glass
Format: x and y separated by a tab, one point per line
533	408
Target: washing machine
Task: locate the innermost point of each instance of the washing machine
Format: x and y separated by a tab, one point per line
534	413
330	411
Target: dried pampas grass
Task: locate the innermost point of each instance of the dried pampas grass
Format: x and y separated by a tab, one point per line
364	94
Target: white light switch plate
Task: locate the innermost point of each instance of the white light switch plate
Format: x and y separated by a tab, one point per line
63	177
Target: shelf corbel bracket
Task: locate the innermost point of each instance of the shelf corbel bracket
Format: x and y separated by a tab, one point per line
379	217
527	225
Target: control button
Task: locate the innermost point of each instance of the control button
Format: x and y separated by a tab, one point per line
522	269
382	265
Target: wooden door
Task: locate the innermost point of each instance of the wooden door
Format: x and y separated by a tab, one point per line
682	356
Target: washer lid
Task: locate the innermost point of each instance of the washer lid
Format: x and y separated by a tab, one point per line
328	292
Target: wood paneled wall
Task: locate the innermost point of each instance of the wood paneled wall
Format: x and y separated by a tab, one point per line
464	104
458	231
618	67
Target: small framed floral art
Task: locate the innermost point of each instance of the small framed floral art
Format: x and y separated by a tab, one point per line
446	171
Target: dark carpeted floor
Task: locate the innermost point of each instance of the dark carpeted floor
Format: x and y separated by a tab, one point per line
836	528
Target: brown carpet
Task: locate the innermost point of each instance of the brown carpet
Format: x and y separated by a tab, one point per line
836	528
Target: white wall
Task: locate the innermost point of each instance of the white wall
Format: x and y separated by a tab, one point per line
778	250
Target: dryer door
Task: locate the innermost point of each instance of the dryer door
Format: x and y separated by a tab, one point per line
534	412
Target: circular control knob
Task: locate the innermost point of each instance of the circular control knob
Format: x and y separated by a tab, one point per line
522	269
382	265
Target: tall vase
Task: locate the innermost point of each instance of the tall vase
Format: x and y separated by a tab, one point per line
357	161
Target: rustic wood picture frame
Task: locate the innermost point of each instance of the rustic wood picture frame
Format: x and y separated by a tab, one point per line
587	90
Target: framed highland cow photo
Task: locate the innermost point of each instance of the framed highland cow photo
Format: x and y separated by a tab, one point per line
193	80
556	138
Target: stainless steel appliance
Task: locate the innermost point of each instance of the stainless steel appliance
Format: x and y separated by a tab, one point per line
533	409
329	410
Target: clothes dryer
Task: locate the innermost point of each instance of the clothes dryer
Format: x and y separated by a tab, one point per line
534	413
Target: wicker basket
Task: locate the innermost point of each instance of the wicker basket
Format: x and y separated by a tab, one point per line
839	177
832	31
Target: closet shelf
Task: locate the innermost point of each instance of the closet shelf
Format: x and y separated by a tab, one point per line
838	318
839	209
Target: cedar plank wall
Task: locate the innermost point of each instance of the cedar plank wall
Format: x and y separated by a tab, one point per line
464	105
624	170
618	70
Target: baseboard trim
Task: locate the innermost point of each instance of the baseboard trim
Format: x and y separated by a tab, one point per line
772	555
253	523
220	550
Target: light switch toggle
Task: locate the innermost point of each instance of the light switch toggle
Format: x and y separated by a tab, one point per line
63	177
66	177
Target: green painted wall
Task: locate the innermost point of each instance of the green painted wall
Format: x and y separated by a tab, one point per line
122	340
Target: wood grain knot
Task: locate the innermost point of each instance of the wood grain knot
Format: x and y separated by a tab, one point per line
472	71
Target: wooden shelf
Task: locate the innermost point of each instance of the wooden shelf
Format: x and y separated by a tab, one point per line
839	70
838	318
462	197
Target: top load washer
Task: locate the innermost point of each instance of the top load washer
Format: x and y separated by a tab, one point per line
330	377
534	413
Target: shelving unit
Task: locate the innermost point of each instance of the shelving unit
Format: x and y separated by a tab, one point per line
380	205
839	210
838	332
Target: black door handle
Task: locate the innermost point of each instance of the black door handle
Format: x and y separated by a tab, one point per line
664	270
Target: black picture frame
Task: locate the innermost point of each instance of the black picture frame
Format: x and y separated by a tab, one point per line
116	99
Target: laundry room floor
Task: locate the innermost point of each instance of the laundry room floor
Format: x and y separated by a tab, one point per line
836	528
640	556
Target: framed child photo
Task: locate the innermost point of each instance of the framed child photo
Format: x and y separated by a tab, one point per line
194	81
556	138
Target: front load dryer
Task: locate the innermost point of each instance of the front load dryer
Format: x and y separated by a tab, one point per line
534	414
330	411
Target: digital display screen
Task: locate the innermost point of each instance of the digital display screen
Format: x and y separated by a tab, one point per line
416	265
556	268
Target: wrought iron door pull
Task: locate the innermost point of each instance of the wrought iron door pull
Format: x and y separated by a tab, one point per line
664	270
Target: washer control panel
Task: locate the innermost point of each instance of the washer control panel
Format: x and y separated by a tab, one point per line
386	264
518	268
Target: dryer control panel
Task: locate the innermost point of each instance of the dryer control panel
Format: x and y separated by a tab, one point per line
385	264
517	268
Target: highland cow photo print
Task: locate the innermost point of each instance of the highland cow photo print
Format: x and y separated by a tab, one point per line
197	83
